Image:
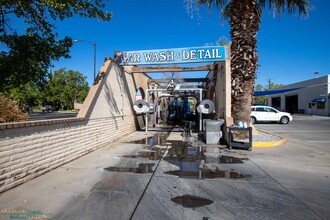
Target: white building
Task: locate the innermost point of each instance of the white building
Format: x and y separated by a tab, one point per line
308	97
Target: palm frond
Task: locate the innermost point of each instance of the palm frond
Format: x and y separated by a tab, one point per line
218	3
290	6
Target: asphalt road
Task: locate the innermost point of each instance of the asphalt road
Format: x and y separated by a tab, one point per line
136	181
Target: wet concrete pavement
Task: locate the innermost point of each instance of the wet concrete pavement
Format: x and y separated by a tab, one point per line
168	180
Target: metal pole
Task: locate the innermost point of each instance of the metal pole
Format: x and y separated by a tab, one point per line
200	114
147	114
94	44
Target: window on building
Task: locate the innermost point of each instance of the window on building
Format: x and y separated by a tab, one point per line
320	105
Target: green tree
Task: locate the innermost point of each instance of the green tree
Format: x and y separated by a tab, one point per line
66	87
264	99
244	19
26	55
273	85
27	94
260	99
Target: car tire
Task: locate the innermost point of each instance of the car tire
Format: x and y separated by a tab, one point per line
253	120
284	120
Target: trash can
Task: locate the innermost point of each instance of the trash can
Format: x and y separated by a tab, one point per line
204	126
213	131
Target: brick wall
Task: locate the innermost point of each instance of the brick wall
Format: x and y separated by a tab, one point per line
30	149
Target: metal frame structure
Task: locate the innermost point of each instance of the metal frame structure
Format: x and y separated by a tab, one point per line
165	90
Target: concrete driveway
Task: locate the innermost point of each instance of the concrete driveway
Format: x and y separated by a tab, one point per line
132	180
302	165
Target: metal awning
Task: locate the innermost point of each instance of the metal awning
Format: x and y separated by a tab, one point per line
319	100
272	92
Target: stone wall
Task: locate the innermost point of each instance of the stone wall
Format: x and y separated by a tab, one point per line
30	149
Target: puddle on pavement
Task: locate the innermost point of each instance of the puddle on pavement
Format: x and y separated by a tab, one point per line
142	168
151	155
189	160
184	151
156	139
207	174
178	150
190	201
182	154
230	159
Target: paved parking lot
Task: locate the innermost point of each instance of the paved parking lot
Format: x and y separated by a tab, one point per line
130	180
302	165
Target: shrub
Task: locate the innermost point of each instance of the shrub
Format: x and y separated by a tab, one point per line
10	111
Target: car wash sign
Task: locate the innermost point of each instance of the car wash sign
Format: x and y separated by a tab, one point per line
170	56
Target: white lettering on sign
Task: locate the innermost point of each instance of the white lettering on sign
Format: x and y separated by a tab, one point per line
131	57
179	55
200	54
162	56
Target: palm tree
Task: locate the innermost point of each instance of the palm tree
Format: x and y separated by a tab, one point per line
244	18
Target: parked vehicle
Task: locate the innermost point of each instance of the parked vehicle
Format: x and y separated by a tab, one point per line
46	108
266	113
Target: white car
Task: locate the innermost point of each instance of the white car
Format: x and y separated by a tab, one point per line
266	113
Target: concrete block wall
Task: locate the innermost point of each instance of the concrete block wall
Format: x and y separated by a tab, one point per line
30	149
28	152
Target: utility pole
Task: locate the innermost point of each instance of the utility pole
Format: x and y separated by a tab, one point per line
269	81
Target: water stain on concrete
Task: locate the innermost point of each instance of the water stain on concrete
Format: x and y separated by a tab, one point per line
230	159
142	168
190	201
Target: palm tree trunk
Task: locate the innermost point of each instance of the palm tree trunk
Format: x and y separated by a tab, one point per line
245	16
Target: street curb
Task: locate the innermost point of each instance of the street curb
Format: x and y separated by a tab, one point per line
271	143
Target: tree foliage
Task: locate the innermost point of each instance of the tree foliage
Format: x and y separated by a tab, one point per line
264	99
28	58
61	89
28	94
26	55
66	87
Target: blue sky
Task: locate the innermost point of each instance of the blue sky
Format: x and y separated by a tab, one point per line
291	49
